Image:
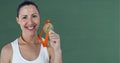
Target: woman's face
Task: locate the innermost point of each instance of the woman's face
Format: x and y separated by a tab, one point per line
28	19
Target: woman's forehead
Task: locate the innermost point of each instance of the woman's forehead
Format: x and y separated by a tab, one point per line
28	9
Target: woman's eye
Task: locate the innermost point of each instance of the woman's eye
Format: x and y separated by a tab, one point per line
34	16
24	18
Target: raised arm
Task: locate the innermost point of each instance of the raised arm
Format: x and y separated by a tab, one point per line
55	44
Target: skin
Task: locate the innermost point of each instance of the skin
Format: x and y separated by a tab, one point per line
28	20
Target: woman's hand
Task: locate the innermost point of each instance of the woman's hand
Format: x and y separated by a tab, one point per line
54	40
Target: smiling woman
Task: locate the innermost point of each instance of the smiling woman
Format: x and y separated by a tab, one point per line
27	48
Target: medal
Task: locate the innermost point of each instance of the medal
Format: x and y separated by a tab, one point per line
46	28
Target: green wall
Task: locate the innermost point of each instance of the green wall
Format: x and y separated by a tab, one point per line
89	29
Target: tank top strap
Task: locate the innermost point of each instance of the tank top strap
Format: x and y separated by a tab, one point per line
15	46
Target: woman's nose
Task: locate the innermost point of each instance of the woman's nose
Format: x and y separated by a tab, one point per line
30	21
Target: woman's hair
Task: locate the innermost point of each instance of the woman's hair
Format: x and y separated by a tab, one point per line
26	3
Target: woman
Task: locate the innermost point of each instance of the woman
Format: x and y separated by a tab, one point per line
27	48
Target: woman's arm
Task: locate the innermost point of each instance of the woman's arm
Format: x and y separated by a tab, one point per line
56	49
6	53
58	57
55	56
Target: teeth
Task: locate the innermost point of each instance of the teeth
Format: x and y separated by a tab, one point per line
30	27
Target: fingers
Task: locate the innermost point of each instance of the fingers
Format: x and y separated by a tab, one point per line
53	35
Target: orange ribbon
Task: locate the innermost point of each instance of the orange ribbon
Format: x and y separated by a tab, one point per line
45	42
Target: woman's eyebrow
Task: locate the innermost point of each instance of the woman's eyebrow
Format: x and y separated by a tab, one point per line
23	15
35	13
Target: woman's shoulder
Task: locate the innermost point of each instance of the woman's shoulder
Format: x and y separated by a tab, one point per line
6	53
50	50
51	53
7	48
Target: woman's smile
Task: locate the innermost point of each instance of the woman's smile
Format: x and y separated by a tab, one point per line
31	28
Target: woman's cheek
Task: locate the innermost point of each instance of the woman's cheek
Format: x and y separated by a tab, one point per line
37	23
22	24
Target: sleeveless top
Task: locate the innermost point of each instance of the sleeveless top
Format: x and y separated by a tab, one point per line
43	56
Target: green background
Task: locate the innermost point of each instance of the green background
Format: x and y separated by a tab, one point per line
89	29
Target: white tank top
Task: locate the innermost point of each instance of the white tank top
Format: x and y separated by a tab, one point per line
17	58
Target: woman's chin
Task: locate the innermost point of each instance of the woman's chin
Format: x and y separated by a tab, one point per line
31	33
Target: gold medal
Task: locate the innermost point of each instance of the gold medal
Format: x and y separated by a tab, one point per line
47	27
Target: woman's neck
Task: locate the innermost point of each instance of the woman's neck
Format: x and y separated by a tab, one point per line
29	38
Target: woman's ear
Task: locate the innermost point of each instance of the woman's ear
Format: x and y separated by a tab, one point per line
17	19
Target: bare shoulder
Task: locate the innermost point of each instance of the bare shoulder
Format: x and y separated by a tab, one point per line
51	54
7	48
6	53
50	50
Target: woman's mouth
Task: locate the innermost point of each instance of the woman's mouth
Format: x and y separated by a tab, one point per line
31	28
